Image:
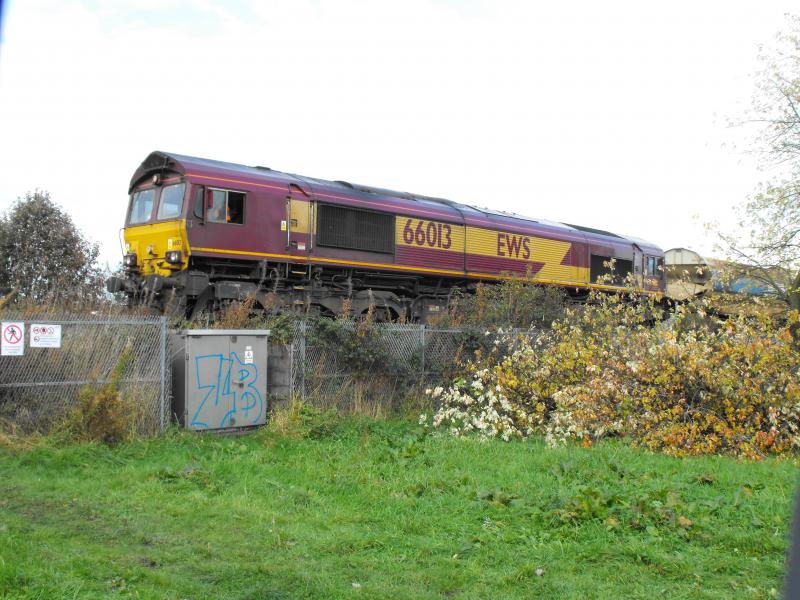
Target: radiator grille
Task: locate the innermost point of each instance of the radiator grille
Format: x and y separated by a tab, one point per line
355	229
599	267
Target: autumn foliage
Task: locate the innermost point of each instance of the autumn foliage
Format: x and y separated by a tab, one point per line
686	384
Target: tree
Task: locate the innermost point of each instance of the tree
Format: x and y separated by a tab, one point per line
43	255
776	102
767	246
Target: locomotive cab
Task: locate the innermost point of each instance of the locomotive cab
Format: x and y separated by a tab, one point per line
183	221
155	228
155	238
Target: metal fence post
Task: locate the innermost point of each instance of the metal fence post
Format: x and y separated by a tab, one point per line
422	350
291	369
163	371
303	360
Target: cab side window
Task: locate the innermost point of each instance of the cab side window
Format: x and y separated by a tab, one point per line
199	194
654	266
225	206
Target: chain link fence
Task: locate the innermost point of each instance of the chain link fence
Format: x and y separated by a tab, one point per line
368	368
378	367
41	386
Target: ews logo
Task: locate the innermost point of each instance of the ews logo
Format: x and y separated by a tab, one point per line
513	246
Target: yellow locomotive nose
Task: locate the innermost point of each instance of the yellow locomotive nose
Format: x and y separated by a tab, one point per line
156	248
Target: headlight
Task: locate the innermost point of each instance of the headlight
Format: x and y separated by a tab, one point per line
129	260
174	257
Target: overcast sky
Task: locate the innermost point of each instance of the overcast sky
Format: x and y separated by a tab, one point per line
606	114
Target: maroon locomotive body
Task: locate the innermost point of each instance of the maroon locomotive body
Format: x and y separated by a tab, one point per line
200	233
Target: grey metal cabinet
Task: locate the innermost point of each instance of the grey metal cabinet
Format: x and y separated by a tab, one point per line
220	378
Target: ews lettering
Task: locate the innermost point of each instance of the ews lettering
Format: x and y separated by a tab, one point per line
513	246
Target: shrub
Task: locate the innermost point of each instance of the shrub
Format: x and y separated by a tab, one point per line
358	344
691	384
102	414
512	303
481	405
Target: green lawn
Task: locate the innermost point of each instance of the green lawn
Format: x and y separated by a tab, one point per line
370	509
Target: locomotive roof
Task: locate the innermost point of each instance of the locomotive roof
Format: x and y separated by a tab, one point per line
163	162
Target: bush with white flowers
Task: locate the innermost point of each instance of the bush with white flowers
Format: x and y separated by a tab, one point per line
487	403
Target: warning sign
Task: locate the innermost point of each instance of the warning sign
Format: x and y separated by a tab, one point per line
12	338
248	355
45	336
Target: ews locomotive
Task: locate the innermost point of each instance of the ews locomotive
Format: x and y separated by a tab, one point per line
200	233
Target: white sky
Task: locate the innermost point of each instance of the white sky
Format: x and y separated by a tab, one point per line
606	114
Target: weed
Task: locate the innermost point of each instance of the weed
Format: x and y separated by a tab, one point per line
587	504
406	448
102	414
191	474
301	420
649	511
236	314
13	438
497	497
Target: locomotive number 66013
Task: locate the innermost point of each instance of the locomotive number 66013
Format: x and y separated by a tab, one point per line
418	232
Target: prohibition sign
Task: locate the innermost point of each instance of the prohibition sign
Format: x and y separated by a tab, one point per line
12	334
13	338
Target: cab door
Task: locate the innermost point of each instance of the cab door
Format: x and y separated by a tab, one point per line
654	273
299	226
638	266
218	218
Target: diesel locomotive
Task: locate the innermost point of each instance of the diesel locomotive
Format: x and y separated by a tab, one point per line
203	233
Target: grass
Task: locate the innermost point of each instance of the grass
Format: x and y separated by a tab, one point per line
374	509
